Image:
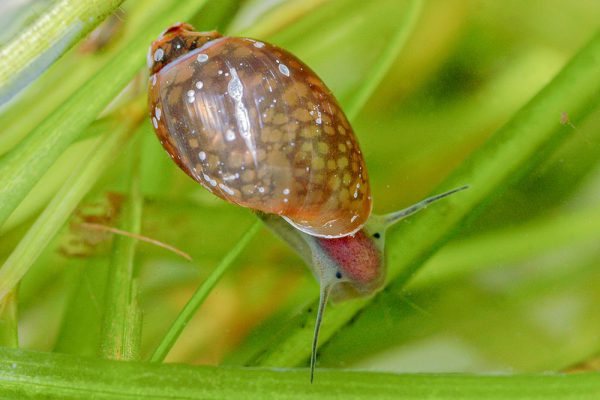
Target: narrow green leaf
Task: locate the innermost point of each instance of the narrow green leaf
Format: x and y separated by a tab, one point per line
26	374
30	53
9	335
24	165
380	68
122	317
516	148
201	293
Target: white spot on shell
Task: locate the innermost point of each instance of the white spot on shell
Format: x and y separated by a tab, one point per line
199	85
208	179
153	78
286	191
284	69
155	122
229	135
220	72
191	93
226	189
353	218
259	45
235	87
285	200
157	112
202	57
202	156
159	54
191	99
261	189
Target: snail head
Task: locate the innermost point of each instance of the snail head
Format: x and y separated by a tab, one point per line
174	42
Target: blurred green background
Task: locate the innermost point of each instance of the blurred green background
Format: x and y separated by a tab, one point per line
515	291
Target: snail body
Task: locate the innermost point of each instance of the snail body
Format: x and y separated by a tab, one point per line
257	127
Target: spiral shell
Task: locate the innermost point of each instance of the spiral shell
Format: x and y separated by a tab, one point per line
257	127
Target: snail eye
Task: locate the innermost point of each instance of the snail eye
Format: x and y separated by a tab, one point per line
177	43
376	235
338	275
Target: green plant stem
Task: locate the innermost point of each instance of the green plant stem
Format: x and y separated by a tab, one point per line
516	148
46	39
25	164
200	295
121	328
381	67
9	335
62	205
26	374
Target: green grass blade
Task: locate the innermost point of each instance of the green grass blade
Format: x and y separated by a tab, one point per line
42	42
60	208
9	335
26	374
201	293
516	148
24	165
376	75
122	317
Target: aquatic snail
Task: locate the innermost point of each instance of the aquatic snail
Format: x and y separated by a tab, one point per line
255	126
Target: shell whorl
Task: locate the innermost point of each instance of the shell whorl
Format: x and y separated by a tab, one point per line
258	128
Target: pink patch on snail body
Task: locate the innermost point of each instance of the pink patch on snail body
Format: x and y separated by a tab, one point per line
356	255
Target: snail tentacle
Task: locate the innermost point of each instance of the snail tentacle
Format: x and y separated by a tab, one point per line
323	297
391	218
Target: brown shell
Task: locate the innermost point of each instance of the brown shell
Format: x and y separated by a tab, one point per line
258	128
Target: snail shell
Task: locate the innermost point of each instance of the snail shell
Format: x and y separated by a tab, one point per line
257	127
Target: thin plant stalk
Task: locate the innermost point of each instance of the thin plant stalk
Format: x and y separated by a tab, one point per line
121	328
383	64
9	335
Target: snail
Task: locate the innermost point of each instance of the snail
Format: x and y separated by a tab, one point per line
258	128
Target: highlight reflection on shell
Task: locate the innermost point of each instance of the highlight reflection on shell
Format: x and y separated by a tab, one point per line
257	127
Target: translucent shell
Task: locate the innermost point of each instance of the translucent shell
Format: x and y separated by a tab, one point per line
256	127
